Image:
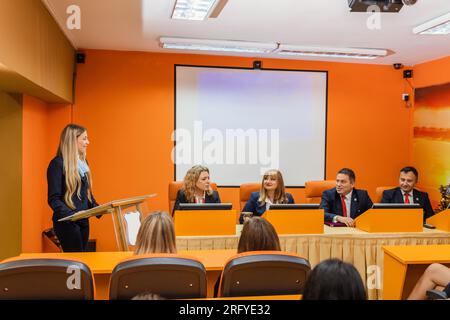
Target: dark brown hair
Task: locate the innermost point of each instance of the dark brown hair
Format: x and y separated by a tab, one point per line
258	234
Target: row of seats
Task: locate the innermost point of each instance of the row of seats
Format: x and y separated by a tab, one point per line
313	191
171	276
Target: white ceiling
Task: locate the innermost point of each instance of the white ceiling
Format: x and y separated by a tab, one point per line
136	25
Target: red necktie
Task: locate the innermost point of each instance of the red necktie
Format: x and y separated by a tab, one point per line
344	207
406	197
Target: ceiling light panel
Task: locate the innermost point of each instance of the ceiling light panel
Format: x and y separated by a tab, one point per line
192	9
349	53
438	26
217	45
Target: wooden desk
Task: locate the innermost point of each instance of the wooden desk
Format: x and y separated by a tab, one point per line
403	266
103	263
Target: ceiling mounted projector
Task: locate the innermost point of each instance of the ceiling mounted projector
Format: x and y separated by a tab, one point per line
384	5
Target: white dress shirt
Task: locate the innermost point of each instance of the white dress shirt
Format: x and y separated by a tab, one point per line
411	198
348	204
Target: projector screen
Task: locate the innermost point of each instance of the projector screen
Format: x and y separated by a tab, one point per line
241	122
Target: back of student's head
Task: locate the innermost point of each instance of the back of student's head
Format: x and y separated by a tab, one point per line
334	279
148	296
156	234
258	234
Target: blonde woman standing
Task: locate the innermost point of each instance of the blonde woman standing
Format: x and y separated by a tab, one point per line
196	188
70	188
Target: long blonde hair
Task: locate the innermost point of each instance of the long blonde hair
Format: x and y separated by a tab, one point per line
279	194
156	234
68	150
190	180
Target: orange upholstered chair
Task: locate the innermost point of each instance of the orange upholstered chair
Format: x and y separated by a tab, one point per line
314	189
379	192
259	273
245	190
174	186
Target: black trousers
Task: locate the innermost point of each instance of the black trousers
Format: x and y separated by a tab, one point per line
73	236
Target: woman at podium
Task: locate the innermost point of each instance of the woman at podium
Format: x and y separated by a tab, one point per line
196	188
70	188
272	192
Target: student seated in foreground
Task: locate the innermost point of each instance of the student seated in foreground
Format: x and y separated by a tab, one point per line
334	279
272	192
258	234
156	234
344	203
435	275
196	188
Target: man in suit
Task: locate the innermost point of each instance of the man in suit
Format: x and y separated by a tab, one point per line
406	193
344	203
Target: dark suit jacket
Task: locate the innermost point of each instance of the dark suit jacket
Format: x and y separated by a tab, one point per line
253	206
395	196
57	189
181	198
331	203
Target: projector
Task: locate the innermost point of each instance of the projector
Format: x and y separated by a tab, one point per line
384	5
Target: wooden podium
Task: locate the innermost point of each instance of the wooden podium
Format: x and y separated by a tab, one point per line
441	220
205	222
308	221
116	209
391	220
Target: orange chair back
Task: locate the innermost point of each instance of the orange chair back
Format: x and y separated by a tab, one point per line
379	192
174	186
245	190
314	189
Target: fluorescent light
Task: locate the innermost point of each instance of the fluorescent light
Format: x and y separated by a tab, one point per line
440	25
217	45
192	9
350	53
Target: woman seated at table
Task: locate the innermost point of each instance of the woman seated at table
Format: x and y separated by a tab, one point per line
196	188
272	192
156	234
258	234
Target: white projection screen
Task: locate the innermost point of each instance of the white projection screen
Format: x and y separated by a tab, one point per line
242	122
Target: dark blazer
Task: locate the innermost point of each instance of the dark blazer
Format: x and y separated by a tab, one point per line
252	205
331	203
395	196
57	189
181	198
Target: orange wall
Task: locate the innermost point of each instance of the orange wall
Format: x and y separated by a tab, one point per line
126	101
42	124
432	73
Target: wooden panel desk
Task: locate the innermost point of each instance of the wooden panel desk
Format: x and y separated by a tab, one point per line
403	266
103	263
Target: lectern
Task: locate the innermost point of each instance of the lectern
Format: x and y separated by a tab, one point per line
116	209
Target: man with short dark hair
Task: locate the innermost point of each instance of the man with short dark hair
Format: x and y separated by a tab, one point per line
344	203
406	193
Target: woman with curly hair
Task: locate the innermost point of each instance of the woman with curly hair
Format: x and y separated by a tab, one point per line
196	188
